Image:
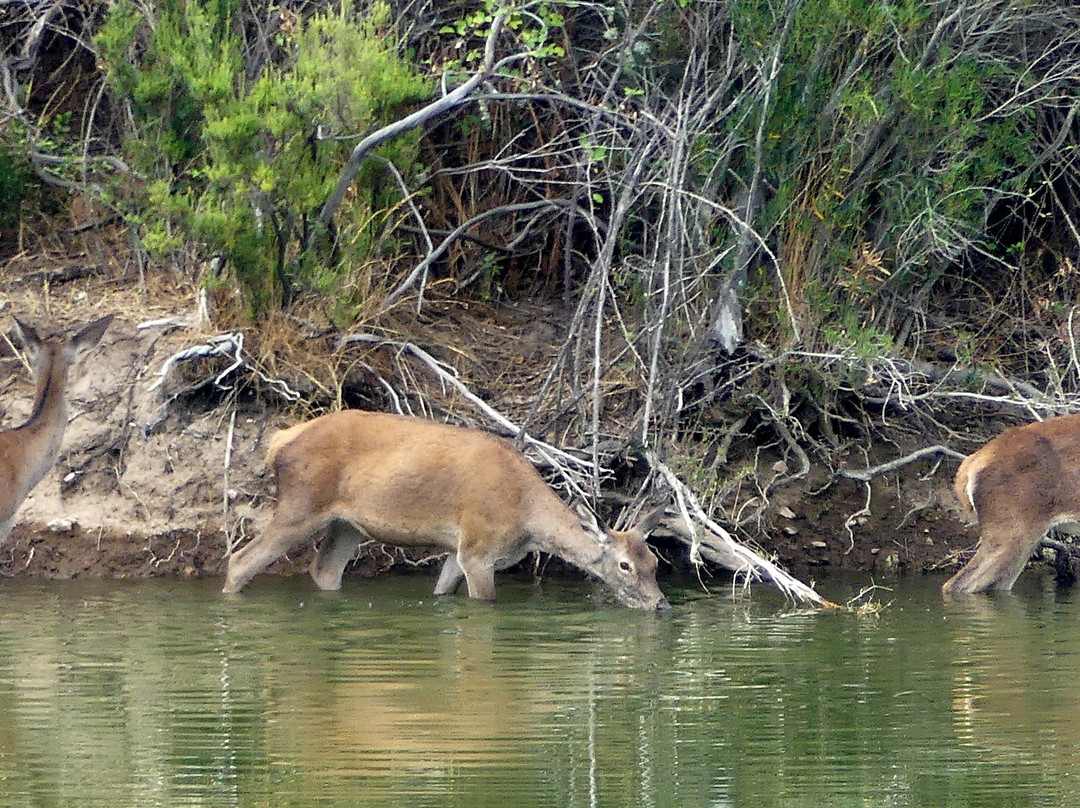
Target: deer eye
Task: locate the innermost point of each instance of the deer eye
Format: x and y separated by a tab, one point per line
625	566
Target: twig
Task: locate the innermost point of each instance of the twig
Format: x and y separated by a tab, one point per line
796	449
850	521
229	544
863	603
157	562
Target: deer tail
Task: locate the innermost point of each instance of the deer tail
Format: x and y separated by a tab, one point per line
967	477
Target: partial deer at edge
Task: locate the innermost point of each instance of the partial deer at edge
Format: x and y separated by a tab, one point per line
404	481
29	451
1018	486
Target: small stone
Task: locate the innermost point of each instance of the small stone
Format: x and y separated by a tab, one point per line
61	525
819	545
786	512
788	530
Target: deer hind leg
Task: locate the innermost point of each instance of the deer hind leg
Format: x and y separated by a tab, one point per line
5	527
996	565
281	535
334	554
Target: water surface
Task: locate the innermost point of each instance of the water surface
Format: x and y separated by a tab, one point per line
164	693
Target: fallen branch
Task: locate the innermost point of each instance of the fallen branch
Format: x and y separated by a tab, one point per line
722	546
230	346
865	475
434	253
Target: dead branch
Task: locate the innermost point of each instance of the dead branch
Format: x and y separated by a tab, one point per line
865	475
228	346
442	105
717	540
434	253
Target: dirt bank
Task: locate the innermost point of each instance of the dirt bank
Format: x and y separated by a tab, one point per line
160	471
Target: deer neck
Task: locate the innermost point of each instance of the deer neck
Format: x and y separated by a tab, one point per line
43	431
560	533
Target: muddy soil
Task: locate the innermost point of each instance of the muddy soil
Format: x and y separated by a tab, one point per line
157	477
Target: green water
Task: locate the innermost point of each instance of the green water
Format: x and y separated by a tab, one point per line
163	693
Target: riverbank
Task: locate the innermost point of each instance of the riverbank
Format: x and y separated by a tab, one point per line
162	466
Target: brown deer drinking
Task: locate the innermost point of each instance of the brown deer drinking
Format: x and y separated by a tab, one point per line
1018	486
29	451
411	482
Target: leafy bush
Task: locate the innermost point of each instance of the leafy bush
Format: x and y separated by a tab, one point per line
883	132
240	159
17	182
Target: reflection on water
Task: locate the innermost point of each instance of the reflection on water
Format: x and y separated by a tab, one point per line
164	693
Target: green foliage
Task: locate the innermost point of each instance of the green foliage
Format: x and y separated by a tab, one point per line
876	132
17	181
535	28
242	167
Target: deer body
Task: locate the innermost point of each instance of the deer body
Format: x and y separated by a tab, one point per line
411	482
29	451
1019	485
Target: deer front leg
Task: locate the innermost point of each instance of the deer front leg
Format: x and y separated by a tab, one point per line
479	574
451	576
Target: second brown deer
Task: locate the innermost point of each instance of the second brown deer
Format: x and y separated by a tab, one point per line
1018	486
410	482
29	451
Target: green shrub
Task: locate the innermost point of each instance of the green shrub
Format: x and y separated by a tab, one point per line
241	167
17	182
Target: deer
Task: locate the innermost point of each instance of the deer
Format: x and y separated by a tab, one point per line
352	476
27	452
1018	486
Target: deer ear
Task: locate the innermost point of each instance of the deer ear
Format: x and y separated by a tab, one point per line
26	333
88	336
588	522
649	522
